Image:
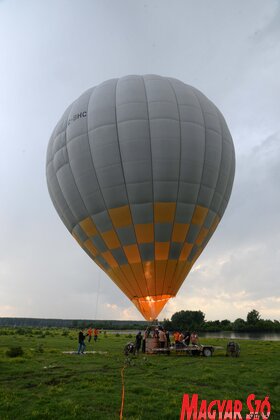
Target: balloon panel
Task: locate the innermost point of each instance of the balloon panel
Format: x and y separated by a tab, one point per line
140	169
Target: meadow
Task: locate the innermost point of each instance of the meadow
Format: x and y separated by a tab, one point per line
45	383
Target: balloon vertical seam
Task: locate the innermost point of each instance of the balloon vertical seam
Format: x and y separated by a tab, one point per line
152	173
179	172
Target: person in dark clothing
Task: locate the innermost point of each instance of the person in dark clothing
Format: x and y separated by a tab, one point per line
187	338
138	342
145	336
81	339
167	338
162	338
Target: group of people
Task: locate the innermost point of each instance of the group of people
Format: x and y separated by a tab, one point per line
82	337
159	333
185	338
180	338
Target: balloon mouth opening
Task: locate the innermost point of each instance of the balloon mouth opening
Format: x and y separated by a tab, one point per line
151	306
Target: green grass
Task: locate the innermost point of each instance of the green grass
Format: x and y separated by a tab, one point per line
46	384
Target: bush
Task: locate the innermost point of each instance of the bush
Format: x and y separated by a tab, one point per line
14	352
117	335
39	348
23	331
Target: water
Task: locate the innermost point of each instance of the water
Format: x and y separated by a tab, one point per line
242	335
221	334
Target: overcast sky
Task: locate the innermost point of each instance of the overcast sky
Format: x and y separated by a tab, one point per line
50	52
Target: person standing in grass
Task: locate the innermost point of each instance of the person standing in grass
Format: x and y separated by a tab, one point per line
162	338
89	333
187	337
167	338
81	339
176	337
138	342
95	334
145	336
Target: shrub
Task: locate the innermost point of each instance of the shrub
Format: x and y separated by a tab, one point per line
39	348
117	335
14	352
22	331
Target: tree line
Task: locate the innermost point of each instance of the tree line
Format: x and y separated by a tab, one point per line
195	320
192	320
71	323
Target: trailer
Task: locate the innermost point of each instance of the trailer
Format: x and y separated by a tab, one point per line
188	350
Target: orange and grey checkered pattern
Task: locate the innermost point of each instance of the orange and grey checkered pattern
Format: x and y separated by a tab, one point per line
140	169
149	259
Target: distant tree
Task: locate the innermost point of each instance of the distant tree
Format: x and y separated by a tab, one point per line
211	326
167	324
253	317
265	325
239	325
226	324
187	320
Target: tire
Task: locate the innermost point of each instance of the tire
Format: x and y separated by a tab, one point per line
207	352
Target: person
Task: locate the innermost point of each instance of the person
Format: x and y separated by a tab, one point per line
194	338
162	338
81	339
138	342
89	333
95	334
167	338
176	337
187	338
156	333
145	336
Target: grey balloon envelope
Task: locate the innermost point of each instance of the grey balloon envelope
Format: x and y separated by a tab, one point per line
140	169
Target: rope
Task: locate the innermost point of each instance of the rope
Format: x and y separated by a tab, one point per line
122	404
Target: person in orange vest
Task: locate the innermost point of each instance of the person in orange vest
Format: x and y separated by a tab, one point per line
95	334
89	333
176	337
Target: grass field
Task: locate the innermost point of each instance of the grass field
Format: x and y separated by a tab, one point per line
44	383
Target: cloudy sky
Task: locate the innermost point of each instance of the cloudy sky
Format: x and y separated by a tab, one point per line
53	51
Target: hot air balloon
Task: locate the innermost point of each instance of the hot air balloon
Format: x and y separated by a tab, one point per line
140	170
